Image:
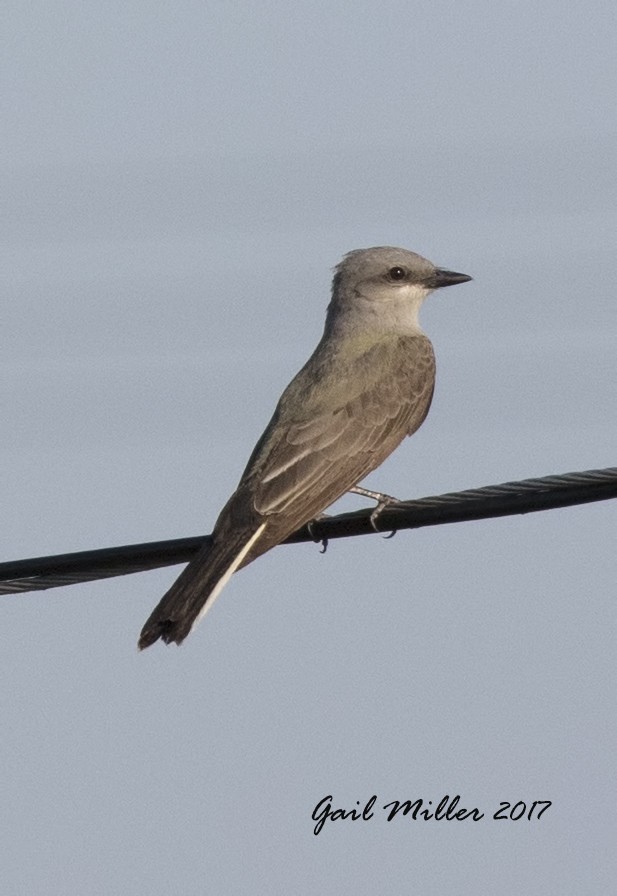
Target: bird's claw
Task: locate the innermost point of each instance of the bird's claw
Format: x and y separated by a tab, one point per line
382	499
316	539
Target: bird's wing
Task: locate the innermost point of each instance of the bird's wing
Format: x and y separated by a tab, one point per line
314	460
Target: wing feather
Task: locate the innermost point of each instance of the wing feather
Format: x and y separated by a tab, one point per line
318	458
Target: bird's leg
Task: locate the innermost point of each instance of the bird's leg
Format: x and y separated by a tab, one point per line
382	501
322	541
380	497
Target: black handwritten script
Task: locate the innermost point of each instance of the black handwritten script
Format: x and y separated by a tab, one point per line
446	809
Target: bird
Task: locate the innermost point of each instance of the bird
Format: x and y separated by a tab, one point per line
368	384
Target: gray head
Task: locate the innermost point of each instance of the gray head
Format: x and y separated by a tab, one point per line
384	287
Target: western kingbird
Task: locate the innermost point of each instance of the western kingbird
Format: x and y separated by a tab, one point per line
368	384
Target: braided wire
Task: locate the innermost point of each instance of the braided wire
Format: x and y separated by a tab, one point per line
525	496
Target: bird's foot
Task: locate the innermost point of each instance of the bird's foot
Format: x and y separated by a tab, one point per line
322	541
383	501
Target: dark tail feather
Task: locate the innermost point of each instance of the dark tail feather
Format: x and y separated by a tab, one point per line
196	589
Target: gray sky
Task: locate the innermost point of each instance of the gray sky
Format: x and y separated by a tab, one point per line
178	181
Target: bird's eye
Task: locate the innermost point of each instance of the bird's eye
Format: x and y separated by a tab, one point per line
396	273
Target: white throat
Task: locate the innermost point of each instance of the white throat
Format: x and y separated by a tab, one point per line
396	311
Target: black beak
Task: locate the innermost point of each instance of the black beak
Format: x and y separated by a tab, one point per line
447	278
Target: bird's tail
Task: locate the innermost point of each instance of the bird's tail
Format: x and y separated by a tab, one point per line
196	589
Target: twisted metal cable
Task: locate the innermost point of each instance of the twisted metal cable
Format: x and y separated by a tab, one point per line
525	496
